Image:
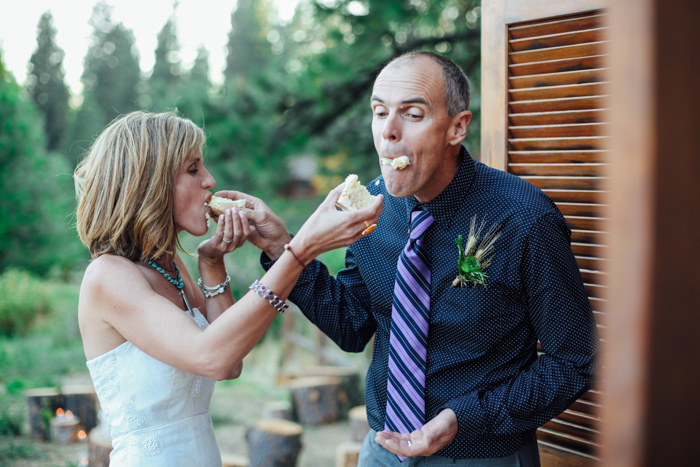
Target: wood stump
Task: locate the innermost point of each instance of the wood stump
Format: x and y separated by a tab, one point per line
316	400
352	392
274	443
42	404
359	427
99	448
347	454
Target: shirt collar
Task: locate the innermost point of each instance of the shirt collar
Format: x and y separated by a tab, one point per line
442	208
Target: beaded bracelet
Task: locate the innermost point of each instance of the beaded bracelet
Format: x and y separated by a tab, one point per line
276	302
213	291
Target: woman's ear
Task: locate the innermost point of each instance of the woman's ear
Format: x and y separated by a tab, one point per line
458	127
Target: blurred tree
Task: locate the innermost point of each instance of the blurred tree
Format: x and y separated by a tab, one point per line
341	47
248	47
242	124
196	87
46	84
165	82
111	78
36	191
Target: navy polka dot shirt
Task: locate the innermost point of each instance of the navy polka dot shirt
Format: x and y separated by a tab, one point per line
482	360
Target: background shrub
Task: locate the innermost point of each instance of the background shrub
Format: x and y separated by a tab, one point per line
22	300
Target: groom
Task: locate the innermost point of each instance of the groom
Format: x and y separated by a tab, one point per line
455	374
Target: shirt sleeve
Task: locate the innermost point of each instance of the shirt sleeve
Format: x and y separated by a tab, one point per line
561	316
339	306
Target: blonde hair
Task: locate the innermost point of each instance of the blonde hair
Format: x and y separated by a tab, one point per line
125	185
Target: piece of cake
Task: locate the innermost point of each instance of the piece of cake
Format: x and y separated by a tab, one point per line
219	205
354	195
397	163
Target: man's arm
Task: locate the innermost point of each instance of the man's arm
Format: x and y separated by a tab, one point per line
339	306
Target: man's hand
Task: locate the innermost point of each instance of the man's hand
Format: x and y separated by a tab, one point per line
435	435
270	233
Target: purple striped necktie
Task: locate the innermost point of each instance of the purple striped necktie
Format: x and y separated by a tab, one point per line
405	404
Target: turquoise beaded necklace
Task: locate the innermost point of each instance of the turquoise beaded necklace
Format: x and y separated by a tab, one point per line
179	285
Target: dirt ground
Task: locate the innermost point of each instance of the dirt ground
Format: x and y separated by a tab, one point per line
235	406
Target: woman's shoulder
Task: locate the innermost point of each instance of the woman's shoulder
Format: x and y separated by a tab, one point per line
109	270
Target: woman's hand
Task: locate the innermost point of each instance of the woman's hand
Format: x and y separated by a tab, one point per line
270	234
328	228
232	230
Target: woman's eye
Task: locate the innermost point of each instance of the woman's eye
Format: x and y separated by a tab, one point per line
193	170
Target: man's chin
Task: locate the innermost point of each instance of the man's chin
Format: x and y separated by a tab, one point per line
397	189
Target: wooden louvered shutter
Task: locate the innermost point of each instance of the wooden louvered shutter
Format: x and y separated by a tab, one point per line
544	118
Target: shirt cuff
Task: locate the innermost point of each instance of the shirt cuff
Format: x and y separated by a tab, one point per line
265	261
472	419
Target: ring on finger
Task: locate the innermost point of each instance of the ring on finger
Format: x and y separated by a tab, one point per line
409	442
226	241
369	229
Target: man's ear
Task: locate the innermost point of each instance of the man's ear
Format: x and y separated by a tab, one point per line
458	127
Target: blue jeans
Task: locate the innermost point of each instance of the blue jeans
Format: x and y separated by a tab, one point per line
374	455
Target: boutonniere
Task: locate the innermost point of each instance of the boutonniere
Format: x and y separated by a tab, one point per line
475	256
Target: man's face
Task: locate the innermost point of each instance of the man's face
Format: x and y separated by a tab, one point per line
410	118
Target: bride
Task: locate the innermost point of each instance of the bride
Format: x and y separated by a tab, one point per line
155	338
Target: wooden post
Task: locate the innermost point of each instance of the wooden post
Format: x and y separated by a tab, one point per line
650	368
274	443
315	400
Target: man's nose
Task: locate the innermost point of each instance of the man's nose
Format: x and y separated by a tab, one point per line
392	127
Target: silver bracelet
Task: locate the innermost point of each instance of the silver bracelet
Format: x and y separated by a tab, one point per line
213	291
276	302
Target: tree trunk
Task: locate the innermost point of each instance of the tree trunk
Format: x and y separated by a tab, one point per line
274	443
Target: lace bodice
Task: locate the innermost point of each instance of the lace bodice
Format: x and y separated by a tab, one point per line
158	414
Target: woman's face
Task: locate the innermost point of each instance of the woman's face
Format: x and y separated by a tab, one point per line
192	185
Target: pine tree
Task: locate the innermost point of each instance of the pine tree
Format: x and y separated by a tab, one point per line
46	84
248	48
165	83
111	79
111	68
193	102
36	191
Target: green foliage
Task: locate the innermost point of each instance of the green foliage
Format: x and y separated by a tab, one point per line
12	449
165	82
36	191
46	84
22	300
111	79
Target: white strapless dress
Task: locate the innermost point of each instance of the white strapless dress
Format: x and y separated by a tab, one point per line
158	415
